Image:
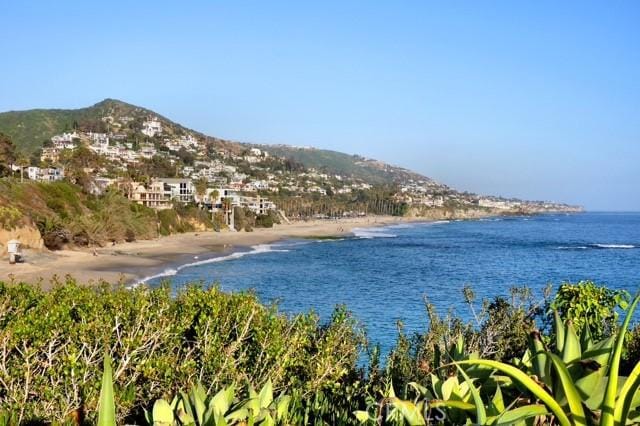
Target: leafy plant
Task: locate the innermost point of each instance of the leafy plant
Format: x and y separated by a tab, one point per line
571	396
107	406
198	409
589	305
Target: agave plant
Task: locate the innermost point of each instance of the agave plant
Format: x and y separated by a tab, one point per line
106	406
198	409
393	410
579	385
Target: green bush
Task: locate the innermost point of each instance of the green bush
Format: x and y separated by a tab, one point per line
10	217
589	305
53	346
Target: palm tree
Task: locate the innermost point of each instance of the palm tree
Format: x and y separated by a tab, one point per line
23	161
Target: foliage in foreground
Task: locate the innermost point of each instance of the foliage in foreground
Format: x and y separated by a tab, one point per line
497	369
52	346
577	382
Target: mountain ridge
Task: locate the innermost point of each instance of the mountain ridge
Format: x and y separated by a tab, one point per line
31	129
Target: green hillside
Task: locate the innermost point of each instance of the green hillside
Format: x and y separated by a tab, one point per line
29	129
333	162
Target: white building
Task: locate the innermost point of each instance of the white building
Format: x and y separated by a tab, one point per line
181	189
152	127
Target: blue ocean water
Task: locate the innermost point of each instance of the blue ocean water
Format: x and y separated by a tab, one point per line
384	274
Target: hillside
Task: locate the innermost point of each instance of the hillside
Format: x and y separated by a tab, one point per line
142	144
333	162
30	129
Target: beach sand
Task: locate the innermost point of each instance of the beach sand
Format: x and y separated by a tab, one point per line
130	262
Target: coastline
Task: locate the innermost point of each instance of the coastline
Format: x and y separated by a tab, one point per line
128	263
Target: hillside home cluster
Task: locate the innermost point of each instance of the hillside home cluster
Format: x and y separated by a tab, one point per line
161	193
221	170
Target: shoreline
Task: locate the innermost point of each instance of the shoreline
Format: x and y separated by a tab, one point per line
130	263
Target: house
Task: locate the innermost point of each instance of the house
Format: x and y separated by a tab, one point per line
50	154
156	196
259	205
152	127
147	151
182	189
48	174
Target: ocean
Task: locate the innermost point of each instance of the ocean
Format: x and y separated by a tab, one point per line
384	275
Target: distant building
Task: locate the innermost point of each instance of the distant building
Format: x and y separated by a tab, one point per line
182	189
152	127
156	196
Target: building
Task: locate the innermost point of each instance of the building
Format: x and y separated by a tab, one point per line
182	189
156	196
47	174
152	127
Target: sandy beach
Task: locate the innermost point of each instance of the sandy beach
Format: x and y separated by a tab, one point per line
130	262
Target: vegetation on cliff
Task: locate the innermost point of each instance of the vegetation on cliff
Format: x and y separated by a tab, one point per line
65	215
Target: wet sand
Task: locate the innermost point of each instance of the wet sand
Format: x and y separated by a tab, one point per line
130	262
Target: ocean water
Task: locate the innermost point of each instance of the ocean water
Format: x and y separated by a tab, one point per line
384	274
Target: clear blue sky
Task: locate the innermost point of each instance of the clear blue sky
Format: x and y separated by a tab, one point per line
537	100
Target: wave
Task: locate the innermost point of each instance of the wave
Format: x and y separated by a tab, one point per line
257	249
400	226
598	246
613	246
369	233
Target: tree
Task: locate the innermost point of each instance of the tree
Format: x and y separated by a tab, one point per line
7	154
201	185
23	161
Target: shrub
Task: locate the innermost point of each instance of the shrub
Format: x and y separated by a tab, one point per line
9	217
589	305
54	342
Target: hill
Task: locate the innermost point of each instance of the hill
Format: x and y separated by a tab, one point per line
334	162
143	144
30	129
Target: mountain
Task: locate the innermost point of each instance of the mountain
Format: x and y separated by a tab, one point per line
333	162
140	140
30	129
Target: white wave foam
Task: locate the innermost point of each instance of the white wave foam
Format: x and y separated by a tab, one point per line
572	248
257	249
400	226
369	233
614	246
598	246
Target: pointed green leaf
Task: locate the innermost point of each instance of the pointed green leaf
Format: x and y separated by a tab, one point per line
449	386
481	414
608	404
221	402
497	402
570	391
162	414
282	407
528	383
559	329
106	406
626	395
571	350
539	360
409	411
266	395
460	405
519	414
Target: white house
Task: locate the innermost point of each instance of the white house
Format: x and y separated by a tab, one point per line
152	127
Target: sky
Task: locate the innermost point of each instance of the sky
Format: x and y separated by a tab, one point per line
537	100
